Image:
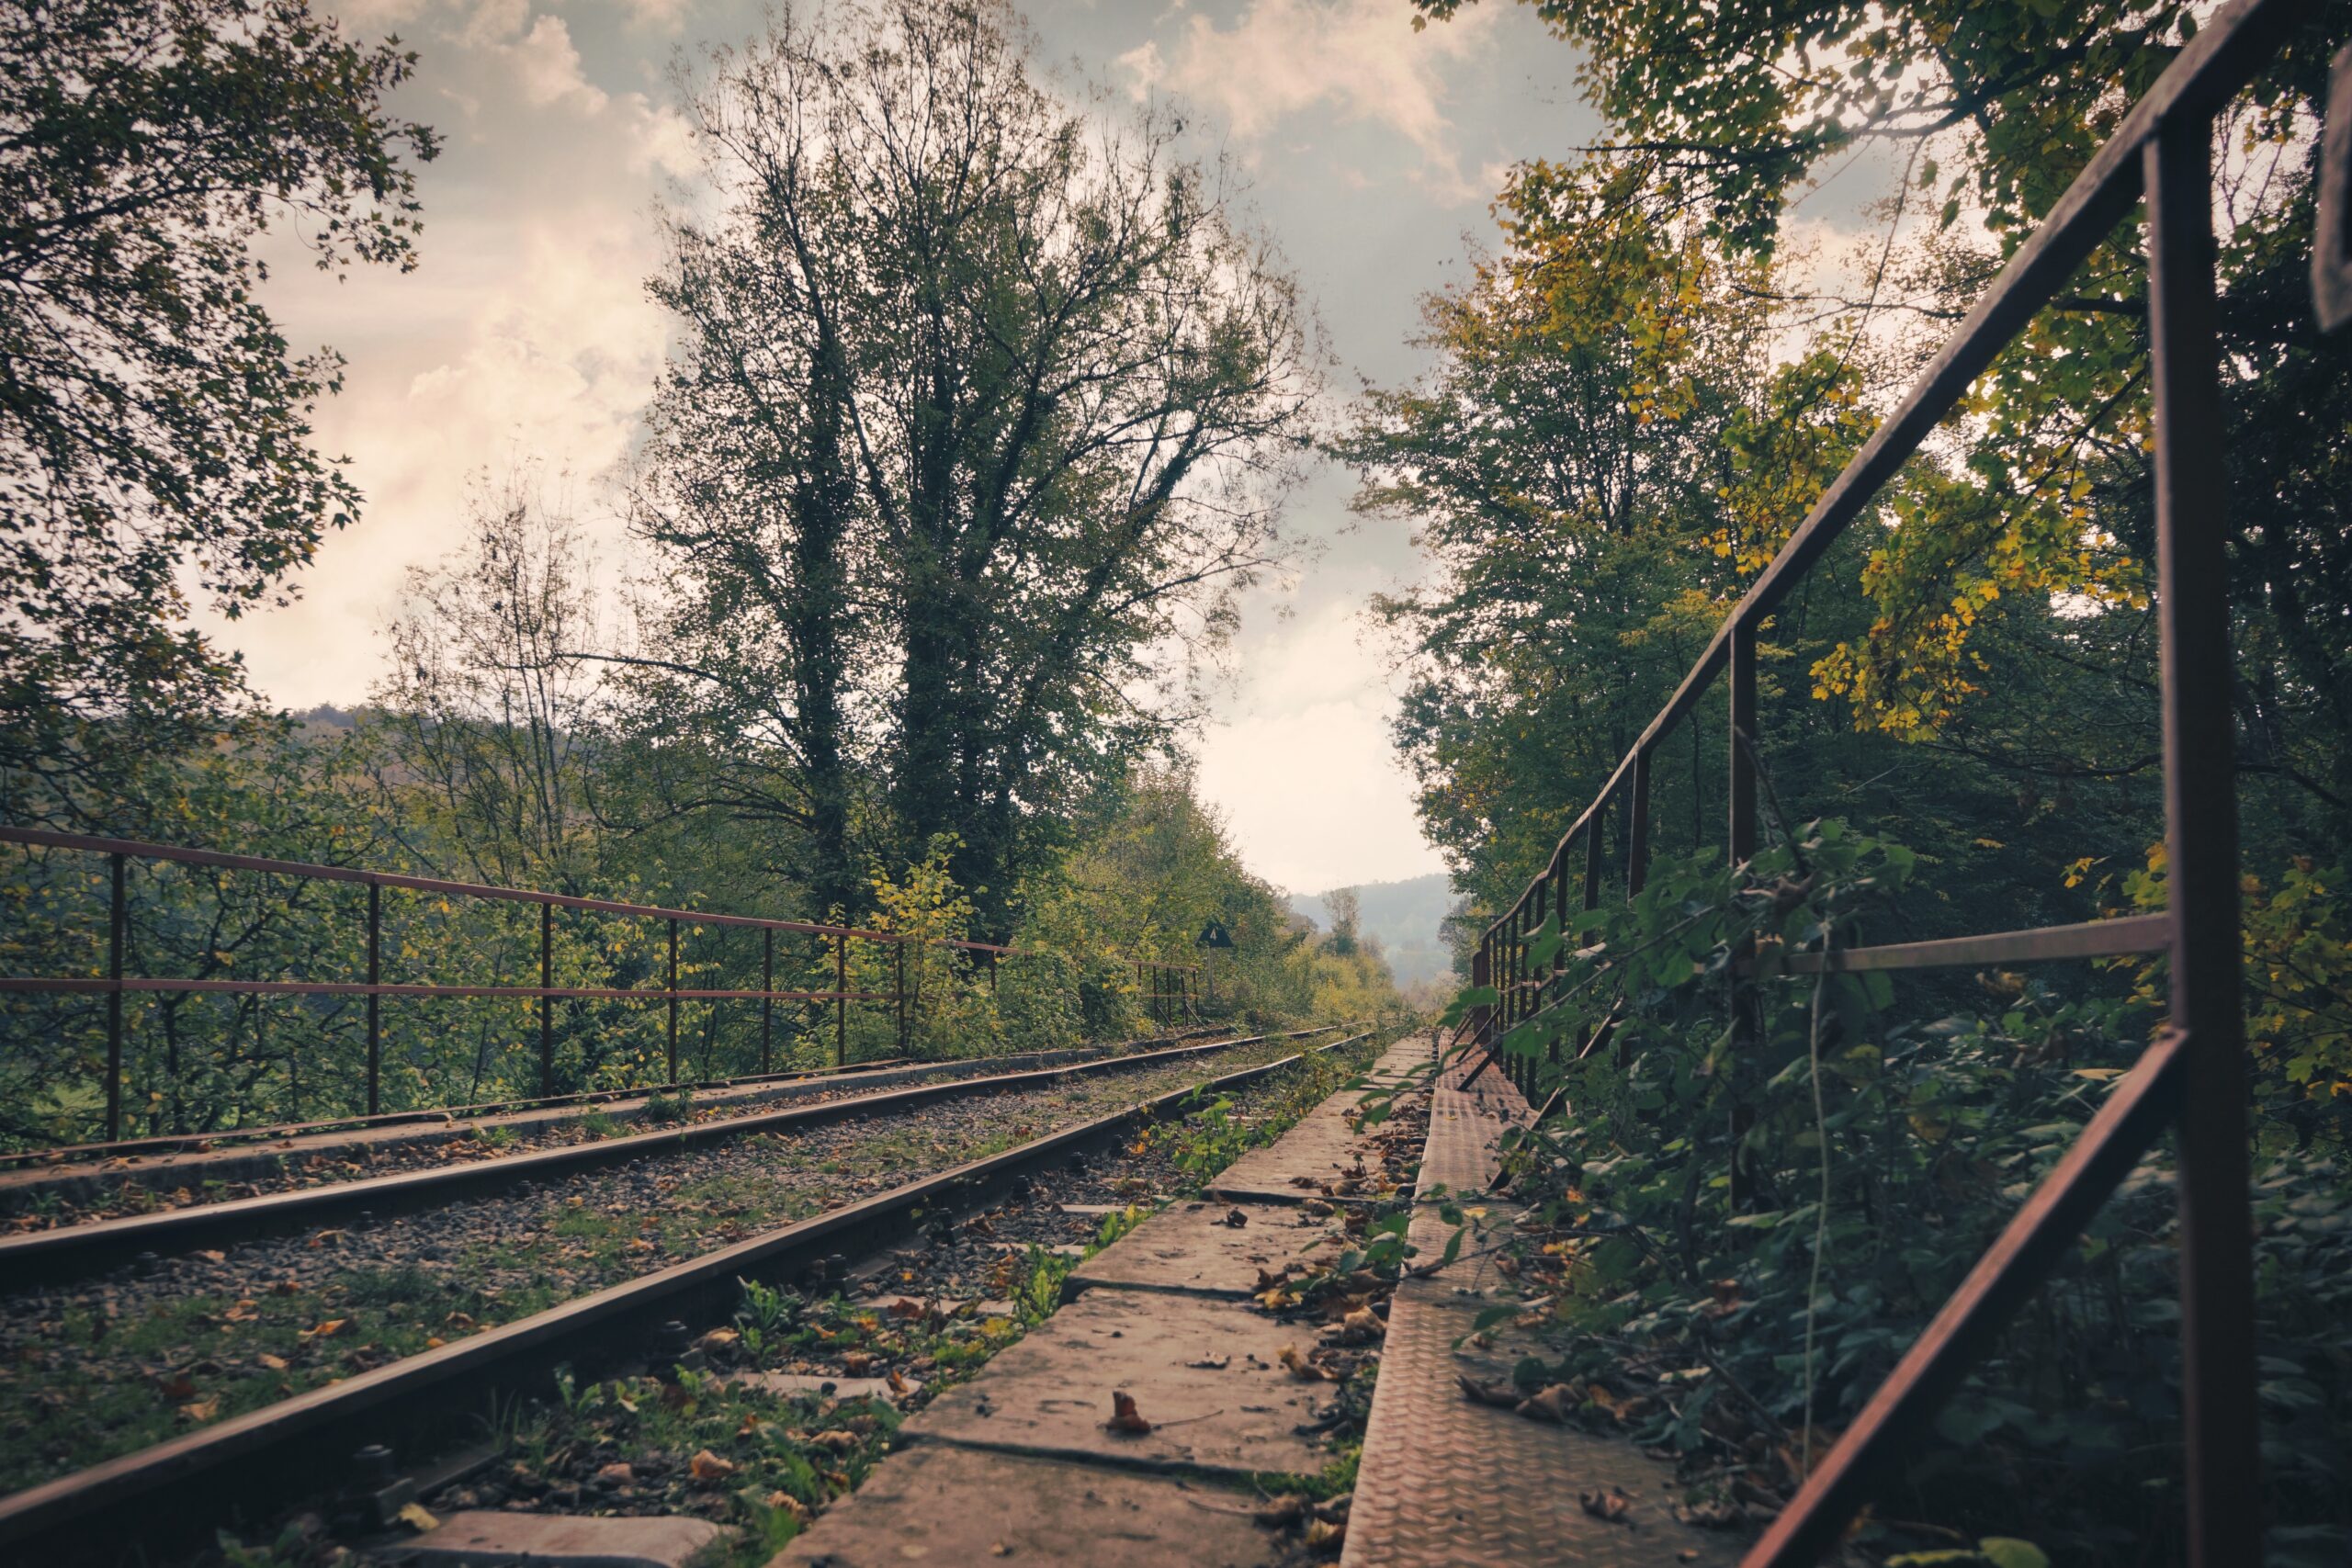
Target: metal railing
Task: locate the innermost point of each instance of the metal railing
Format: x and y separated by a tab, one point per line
115	984
2193	1077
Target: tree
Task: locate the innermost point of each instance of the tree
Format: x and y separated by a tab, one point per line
154	426
981	415
488	729
1990	110
1346	910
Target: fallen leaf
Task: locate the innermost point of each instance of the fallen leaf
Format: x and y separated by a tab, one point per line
1301	1367
1364	1324
274	1363
1324	1536
835	1440
897	1384
1125	1416
179	1385
1276	1513
709	1466
616	1475
1613	1505
1557	1403
202	1410
326	1330
717	1339
906	1307
414	1515
212	1257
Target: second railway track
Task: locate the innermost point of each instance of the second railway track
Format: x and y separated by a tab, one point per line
270	1446
66	1252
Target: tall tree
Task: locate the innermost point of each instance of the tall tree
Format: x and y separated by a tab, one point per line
981	415
155	442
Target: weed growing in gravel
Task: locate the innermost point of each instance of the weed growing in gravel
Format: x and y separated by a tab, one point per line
597	1126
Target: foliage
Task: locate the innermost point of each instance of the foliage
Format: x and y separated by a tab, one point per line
1878	1150
155	436
980	418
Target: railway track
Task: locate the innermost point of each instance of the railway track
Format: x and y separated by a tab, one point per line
299	1446
66	1252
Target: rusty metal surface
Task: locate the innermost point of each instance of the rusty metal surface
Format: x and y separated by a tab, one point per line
1447	1481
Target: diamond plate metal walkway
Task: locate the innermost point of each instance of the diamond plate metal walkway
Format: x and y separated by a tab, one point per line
1447	1482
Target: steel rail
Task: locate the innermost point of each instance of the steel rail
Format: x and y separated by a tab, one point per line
170	1143
2040	944
33	1257
294	1448
50	839
103	986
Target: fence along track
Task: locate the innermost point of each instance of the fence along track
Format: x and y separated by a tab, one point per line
1166	987
46	1257
299	1446
2191	1077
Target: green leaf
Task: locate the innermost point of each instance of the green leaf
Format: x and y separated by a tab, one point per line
2007	1551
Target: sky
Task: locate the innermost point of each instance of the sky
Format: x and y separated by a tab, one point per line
1369	153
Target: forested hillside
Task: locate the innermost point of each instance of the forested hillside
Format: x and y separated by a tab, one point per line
1403	916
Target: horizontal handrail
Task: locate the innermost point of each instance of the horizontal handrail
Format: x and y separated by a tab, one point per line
2040	944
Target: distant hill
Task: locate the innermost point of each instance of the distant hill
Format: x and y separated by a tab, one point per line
1404	916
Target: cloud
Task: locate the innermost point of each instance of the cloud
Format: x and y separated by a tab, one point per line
1304	771
1358	59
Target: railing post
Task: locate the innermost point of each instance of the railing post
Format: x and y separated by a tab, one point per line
1637	826
546	1003
674	1003
1481	974
841	999
900	947
117	919
2218	1375
375	1002
767	1000
1741	734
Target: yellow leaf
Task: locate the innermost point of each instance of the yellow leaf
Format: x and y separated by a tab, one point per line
415	1516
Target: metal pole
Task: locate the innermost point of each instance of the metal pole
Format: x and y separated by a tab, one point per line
674	1004
901	985
840	1001
1637	826
547	1004
2217	1328
375	1002
767	1002
1741	734
118	917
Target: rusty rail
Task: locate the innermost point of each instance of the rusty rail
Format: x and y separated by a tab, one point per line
2193	1077
115	984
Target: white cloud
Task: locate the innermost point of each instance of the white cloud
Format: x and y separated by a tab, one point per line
1360	59
1303	769
547	68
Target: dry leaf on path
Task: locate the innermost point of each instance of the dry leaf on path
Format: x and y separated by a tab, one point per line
1613	1505
709	1466
1324	1536
326	1330
416	1518
1125	1416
